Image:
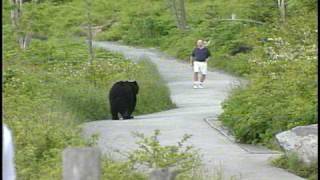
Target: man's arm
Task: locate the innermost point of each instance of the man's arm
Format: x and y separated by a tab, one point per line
208	56
192	58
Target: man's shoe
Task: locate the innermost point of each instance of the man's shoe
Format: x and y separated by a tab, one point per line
195	86
200	86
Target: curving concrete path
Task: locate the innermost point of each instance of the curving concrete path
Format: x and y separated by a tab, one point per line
193	105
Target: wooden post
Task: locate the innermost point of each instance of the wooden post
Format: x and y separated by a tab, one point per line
233	16
81	164
163	174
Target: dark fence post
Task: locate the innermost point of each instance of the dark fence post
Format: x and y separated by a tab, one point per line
81	164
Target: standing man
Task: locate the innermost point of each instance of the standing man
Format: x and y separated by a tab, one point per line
199	58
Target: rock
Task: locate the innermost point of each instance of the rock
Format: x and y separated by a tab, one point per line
81	163
302	140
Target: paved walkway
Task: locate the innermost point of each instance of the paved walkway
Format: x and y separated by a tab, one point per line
193	105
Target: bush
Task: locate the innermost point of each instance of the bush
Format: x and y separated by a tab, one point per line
50	88
120	170
292	163
153	155
280	96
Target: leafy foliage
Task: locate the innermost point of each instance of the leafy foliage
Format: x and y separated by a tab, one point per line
281	67
281	93
120	170
50	88
50	84
152	154
293	164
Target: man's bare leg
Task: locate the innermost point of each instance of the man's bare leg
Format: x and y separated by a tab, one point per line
203	77
195	80
195	77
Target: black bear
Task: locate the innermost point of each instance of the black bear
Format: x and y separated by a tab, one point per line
123	99
240	49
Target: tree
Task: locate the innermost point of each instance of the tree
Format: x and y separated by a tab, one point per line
24	38
282	9
88	4
178	9
90	37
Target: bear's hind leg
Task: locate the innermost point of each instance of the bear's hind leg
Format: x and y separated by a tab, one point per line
114	114
126	115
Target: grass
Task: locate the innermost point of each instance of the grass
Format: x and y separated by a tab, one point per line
291	163
49	88
153	95
46	98
90	102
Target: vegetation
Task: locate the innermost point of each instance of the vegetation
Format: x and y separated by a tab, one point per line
281	67
45	101
153	155
120	170
50	86
292	163
150	154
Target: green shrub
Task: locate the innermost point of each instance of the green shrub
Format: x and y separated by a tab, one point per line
153	155
292	163
50	88
280	96
237	65
120	170
50	83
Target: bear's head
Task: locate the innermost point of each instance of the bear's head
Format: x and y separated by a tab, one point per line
134	86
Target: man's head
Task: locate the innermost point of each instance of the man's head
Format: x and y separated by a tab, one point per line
200	43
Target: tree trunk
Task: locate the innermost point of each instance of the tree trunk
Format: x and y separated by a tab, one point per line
233	16
23	39
183	18
282	9
178	9
15	13
173	7
90	37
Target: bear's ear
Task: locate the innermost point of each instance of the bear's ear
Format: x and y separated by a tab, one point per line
135	86
134	82
119	82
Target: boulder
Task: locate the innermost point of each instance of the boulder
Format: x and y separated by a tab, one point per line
302	140
81	163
